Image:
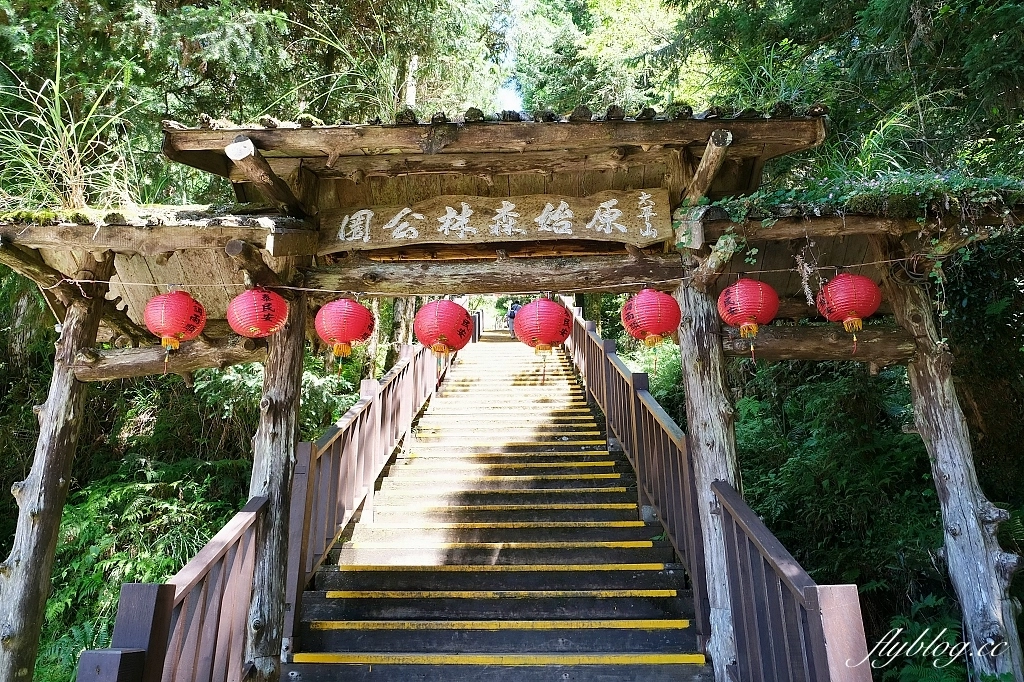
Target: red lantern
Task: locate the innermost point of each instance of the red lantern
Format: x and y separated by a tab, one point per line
542	324
747	303
650	316
174	317
444	326
341	322
848	299
257	313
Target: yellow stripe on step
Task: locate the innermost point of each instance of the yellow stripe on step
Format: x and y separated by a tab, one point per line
508	444
503	524
468	466
409	478
569	544
510	491
500	659
681	624
508	507
501	568
433	447
496	594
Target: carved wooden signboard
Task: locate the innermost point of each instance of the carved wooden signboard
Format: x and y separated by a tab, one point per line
637	217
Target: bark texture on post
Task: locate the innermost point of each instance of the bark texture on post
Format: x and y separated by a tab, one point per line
709	421
979	569
273	460
25	575
402	311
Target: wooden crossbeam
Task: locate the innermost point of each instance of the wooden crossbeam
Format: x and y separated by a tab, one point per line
280	235
254	167
30	264
879	345
507	275
710	163
106	365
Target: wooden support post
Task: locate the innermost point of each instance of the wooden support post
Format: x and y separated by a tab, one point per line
255	168
979	569
274	448
707	169
709	420
25	575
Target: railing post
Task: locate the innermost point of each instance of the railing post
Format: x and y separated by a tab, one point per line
139	641
370	444
299	518
588	372
638	381
607	348
837	629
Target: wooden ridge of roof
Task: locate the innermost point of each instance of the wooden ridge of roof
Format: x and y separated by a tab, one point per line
484	148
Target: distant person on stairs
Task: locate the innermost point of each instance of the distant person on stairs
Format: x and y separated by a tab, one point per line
513	308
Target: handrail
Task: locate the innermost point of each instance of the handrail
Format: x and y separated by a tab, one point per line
192	627
335	476
786	626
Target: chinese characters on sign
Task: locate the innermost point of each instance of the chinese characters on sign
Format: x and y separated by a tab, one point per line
637	216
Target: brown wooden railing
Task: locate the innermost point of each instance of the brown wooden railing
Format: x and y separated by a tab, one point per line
786	626
193	627
335	475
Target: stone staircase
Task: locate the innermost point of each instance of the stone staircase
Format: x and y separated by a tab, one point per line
503	543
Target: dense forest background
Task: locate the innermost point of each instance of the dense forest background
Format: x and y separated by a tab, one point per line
925	100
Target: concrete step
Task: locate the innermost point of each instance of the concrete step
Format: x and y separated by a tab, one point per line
512	513
524	533
427	483
438	466
406	497
611	576
497	554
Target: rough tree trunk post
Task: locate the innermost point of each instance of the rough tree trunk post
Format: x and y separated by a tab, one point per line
709	422
370	362
25	575
273	459
979	569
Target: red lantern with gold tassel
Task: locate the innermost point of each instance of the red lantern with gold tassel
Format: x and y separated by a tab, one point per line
341	323
174	317
257	313
650	316
849	298
443	326
543	324
747	303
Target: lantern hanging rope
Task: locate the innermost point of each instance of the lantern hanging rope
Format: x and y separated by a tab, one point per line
343	322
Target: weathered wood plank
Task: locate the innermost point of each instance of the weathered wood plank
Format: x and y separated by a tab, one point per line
511	275
784	135
25	574
483	163
249	259
639	218
880	345
107	365
266	232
